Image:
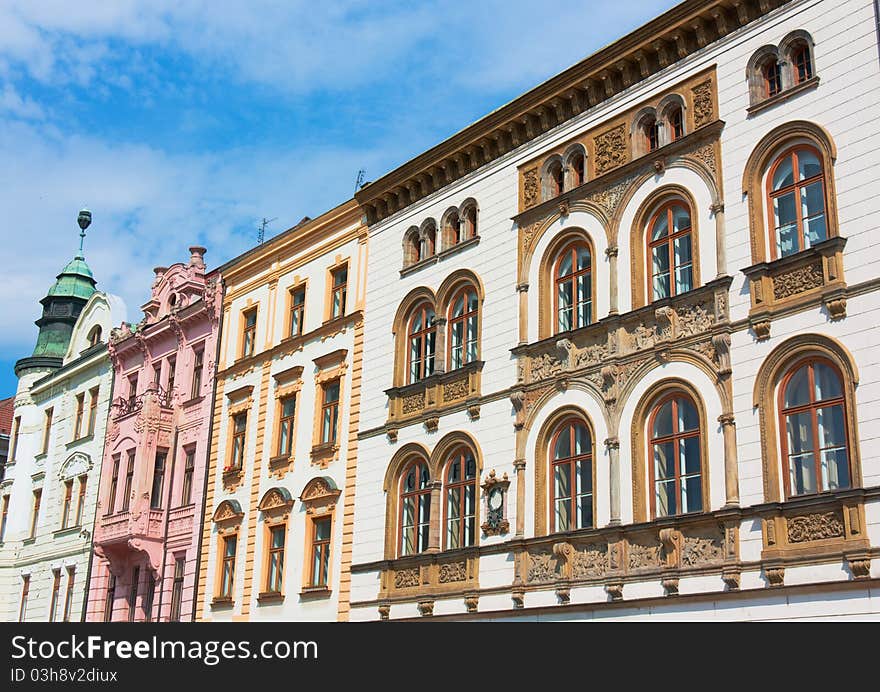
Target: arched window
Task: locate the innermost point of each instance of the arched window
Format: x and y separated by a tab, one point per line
415	508
802	62
571	469
412	247
772	73
422	339
675	457
577	167
428	241
670	251
470	223
461	499
463	328
555	183
95	336
573	289
451	229
675	118
813	429
796	201
650	133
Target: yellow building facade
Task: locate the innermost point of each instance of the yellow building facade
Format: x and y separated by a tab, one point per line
276	543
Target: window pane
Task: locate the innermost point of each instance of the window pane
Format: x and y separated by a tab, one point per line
808	164
663	420
585	512
799	427
424	477
682	250
797	391
472	302
582	442
453	503
470	467
562	473
784	175
681	219
803	474
684	278
832	430
583	256
660	260
562	450
689	455
827	382
584	471
666	504
565	266
691	495
454	471
785	213
563	515
664	460
813	212
835	468
661	226
687	416
585	297
564	306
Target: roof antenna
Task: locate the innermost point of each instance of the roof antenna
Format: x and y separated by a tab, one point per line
359	183
261	235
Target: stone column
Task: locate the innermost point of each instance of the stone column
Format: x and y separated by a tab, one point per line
717	210
439	346
731	476
436	517
520	467
612	444
611	254
523	291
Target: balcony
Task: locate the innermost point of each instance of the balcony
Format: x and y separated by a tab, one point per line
123	406
118	535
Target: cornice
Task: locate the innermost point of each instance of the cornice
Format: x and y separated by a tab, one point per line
659	44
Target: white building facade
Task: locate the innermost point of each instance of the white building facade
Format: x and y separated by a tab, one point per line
49	492
620	335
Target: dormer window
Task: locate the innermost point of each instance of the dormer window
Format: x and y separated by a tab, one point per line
95	336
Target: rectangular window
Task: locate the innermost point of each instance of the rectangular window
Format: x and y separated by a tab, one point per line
35	516
81	500
25	588
93	410
329	411
133	592
297	310
78	419
189	466
157	375
239	427
4	517
108	598
47	430
338	291
227	570
68	595
285	432
177	590
13	443
172	373
275	573
198	365
56	590
148	596
129	477
249	337
320	551
114	482
132	389
158	479
65	508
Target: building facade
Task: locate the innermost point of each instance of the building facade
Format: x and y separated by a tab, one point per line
148	524
50	488
624	368
279	506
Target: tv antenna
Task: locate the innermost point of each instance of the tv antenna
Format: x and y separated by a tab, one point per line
360	180
261	234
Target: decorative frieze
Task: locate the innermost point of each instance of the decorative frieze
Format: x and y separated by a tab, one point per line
815	527
453	572
798	280
704	110
612	149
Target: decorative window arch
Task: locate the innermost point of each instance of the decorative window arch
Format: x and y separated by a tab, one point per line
669	455
764	63
94	337
412	247
227	523
420	296
780	71
552	178
275	506
460	480
795	198
805	395
573	287
670	250
414	525
428	237
565	473
575	166
645	132
452	228
463	319
421	342
796	50
758	182
468	220
673	124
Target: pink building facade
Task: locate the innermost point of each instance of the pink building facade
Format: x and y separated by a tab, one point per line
147	525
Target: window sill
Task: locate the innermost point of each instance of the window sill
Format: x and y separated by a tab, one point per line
324	453
69	531
41	456
782	96
79	441
270	597
440	256
315	592
192	402
29	541
222	602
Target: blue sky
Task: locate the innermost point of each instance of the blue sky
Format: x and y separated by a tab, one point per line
181	122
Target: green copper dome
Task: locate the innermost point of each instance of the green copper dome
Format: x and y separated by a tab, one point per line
75	281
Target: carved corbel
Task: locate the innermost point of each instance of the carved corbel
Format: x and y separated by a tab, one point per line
671	541
471	601
564	552
518	597
859	565
426	608
564	208
761	329
432	424
473	411
563	594
392	434
670	586
609	383
659	166
775	574
731	576
518	400
614	590
667	324
384	611
721	343
836	307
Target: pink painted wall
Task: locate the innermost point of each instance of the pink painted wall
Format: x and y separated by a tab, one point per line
166	411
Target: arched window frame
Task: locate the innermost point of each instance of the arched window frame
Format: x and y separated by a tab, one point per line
94	337
468	220
423	335
471	318
799	63
401	331
783	412
463	453
792	151
671	115
428	238
412	247
666	207
567	427
552	178
451	224
573	247
675	438
771	77
423	470
575	168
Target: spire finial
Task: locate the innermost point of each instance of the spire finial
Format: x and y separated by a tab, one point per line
84	220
